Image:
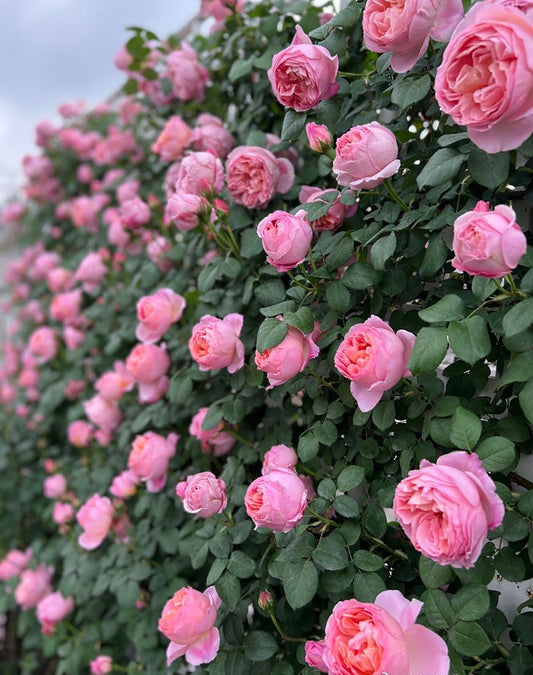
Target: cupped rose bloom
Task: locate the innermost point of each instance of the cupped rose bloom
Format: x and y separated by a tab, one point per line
211	135
95	518
173	140
285	238
277	501
128	190
54	486
282	362
80	433
125	484
255	175
72	337
404	29
216	440
447	508
59	279
374	358
215	343
156	313
203	494
147	363
65	307
485	79
91	271
318	136
200	172
365	156
488	243
188	76
314	655
303	74
279	457
135	213
104	414
62	513
188	621
33	586
43	344
184	210
115	383
52	609
336	214
101	665
14	563
149	458
382	637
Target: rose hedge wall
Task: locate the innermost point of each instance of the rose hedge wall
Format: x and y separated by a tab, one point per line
413	241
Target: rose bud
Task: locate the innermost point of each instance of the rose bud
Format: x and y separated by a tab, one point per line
319	137
286	238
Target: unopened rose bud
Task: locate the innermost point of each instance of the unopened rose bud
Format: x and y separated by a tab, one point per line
266	601
319	137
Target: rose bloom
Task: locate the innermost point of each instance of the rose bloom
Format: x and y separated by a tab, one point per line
374	358
91	271
211	135
282	362
33	586
318	136
43	344
488	243
188	620
184	209
173	140
303	74
486	77
80	433
277	501
220	9
115	383
54	486
200	172
135	213
215	343
279	457
156	313
380	637
101	665
447	508
149	458
215	440
365	156
72	337
147	363
203	494
187	74
125	484
52	609
314	655
103	413
95	518
62	513
14	563
336	214
255	175
128	190
59	279
286	238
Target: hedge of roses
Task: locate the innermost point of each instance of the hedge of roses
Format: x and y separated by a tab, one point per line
267	393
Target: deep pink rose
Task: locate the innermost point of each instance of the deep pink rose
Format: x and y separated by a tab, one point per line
149	458
488	243
318	136
365	156
95	518
184	209
286	238
156	313
303	74
279	457
104	414
173	140
336	214
215	343
200	172
203	494
447	508
125	484
33	586
54	486
101	665
187	74
188	620
255	175
52	609
14	563
374	358
277	501
80	433
485	81
216	440
43	344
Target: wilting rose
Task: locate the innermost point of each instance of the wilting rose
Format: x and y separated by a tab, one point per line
277	501
215	343
173	140
156	313
95	518
149	458
286	238
52	609
202	494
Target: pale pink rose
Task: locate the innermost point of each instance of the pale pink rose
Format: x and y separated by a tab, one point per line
188	621
84	212
147	363
386	637
101	665
173	140
29	378
314	655
200	172
220	9
52	609
13	212
447	508
276	501
128	190
125	484
318	136
157	250
211	135
365	156
149	458
72	337
129	109
404	29
486	76
95	518
91	271
74	388
303	74
215	343
279	457
216	440
188	76
184	209
336	214
71	109
54	486
135	213
286	238
203	494
103	413
156	313
103	437
374	358
43	344
84	173
282	362
255	175
8	393
62	513
14	563
122	59
44	132
59	279
33	586
80	433
488	243
115	383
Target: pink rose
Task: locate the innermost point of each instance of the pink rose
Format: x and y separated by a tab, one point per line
488	243
59	279
405	29
279	457
282	362
54	486
276	501
255	175
318	136
486	77
62	513
91	271
303	74
187	74
215	343
52	609
123	59
103	413
115	383
125	484
80	433
314	655
14	563
147	363
447	508
128	190
157	312
365	156
33	586
135	213
65	307
336	214
200	172
203	494
382	637
220	9
43	344
95	518
149	458
215	440
173	140
101	665
188	620
286	238
72	337
184	210
211	135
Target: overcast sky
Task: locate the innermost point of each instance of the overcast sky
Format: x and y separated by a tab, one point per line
52	51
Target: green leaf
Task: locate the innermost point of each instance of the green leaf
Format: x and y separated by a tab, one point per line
447	308
303	319
496	453
523	627
526	401
520	661
471	602
293	125
331	553
350	477
487	169
520	369
212	419
509	565
346	506
250	243
259	645
374	520
469	638
429	350
382	250
515	527
383	415
338	297
361	276
366	561
410	90
465	430
441	167
241	565
271	332
367	585
300	583
435	256
229	589
437	608
432	574
307	446
239	69
469	338
518	318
